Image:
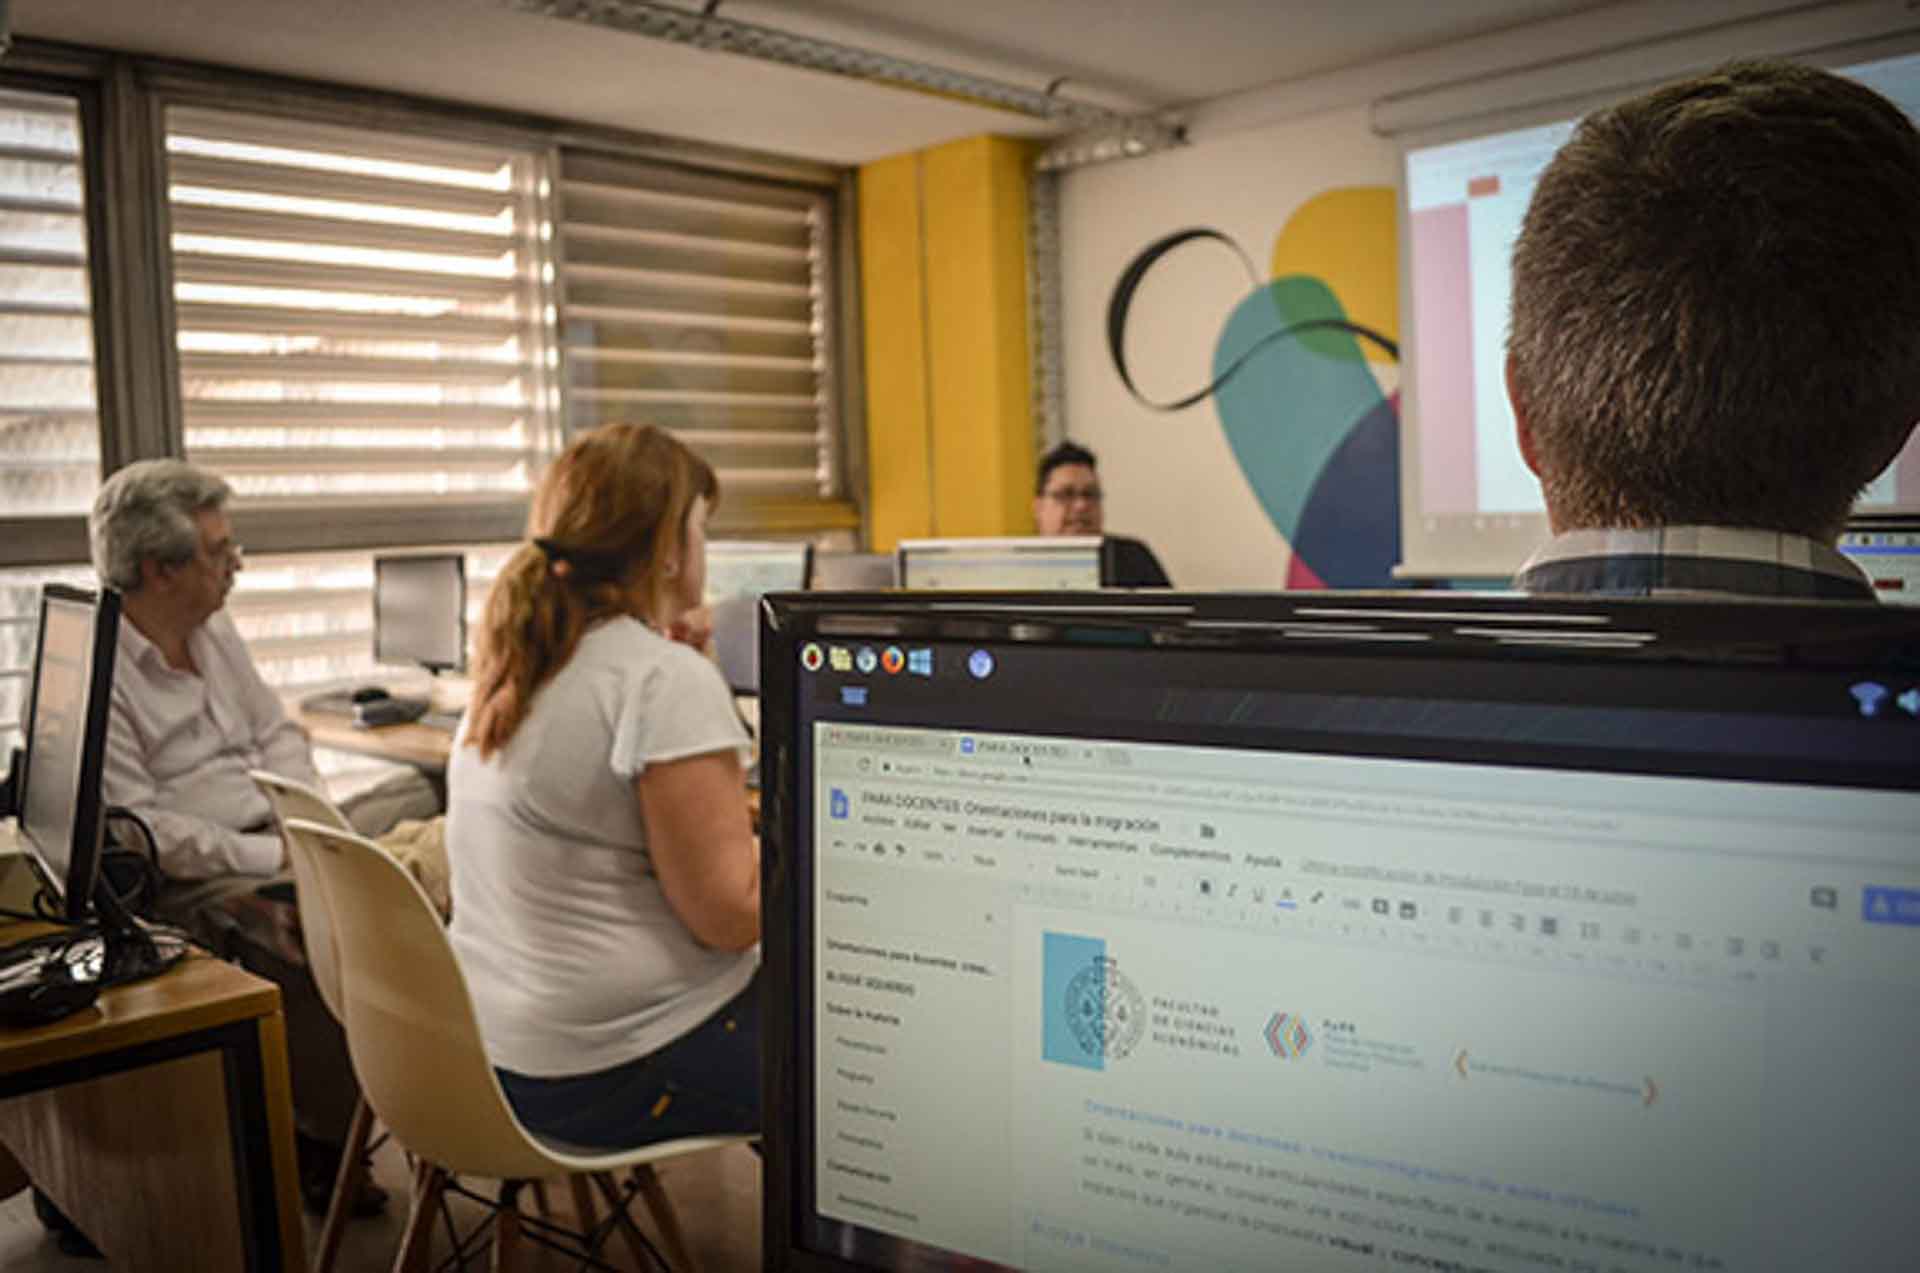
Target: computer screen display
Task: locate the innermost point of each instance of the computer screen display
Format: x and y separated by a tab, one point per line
749	568
739	573
59	800
1035	562
853	572
1888	550
1266	933
420	611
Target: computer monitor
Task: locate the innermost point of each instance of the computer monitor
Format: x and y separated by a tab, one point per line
854	572
739	573
420	611
1888	550
57	778
1038	562
752	568
1321	931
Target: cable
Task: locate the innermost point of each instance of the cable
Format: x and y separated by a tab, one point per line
145	891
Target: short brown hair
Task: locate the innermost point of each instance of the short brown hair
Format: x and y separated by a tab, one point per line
1716	304
608	524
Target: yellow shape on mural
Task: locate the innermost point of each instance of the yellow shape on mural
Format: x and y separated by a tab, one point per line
1347	239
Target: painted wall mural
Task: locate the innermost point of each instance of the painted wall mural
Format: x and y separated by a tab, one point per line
1305	381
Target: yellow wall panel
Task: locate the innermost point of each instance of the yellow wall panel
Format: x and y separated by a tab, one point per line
893	296
979	381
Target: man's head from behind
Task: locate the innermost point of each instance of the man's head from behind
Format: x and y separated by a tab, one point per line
160	533
1716	305
1067	499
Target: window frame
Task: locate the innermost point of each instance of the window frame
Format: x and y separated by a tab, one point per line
124	101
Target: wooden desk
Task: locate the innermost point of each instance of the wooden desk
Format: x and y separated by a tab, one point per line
161	1121
422	746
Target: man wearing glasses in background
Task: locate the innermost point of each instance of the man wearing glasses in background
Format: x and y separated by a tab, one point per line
1068	501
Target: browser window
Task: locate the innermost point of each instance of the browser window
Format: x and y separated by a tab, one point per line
1086	1002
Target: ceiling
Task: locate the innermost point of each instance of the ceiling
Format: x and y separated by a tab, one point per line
1126	54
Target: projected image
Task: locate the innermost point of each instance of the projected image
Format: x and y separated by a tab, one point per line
1465	204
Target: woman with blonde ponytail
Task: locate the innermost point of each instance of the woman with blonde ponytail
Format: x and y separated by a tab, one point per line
606	881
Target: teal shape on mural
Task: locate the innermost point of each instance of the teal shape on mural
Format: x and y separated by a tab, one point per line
1295	401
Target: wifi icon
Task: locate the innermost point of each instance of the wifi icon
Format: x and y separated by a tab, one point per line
1871	695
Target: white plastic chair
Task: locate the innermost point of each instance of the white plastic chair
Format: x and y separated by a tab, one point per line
295	800
417	1049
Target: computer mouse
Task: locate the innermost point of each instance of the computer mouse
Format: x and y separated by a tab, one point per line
369	694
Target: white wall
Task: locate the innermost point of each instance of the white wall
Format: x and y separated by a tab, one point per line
1259	156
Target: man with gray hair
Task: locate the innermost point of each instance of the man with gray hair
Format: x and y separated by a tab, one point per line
190	716
1716	333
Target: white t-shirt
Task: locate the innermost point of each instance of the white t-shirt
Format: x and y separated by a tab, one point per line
574	958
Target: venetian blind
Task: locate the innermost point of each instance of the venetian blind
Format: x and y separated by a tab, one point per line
700	303
49	421
361	316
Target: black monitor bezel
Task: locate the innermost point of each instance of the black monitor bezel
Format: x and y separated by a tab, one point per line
1704	634
380	656
74	884
1867	522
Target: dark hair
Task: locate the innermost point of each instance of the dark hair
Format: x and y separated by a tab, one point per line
1716	303
1065	453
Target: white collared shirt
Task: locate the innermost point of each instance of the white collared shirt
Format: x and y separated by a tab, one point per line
179	747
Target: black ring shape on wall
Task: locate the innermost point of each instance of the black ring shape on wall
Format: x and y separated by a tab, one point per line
1120	305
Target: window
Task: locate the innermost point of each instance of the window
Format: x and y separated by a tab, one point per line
353	307
699	303
49	421
360	318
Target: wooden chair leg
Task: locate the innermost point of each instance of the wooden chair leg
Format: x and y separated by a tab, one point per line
540	1199
347	1183
583	1208
636	1241
429	1184
665	1218
506	1228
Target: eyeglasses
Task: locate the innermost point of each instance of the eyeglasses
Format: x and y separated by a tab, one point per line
1068	494
227	552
